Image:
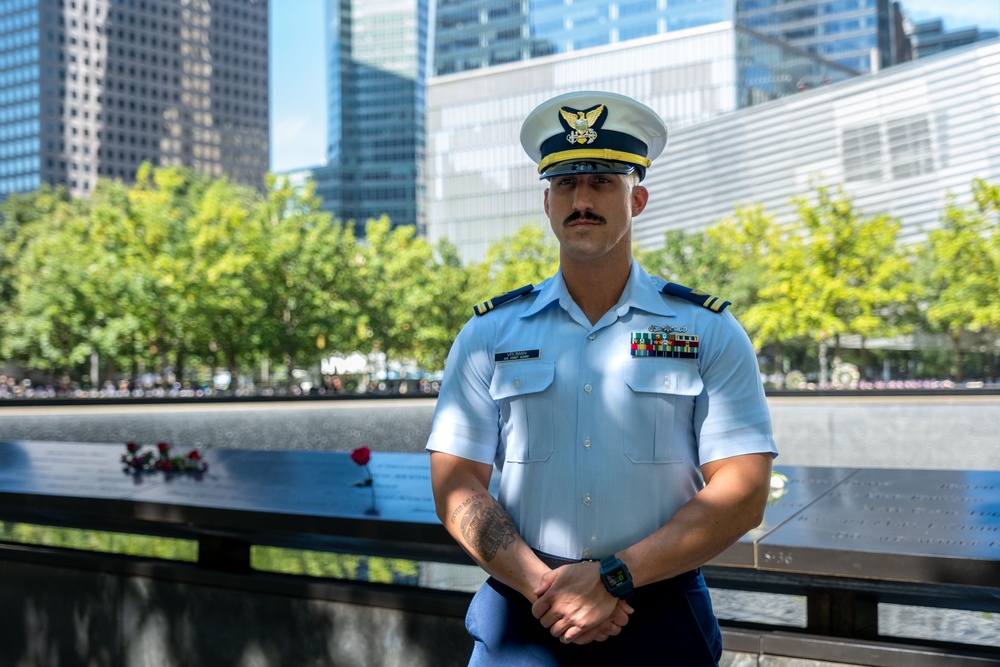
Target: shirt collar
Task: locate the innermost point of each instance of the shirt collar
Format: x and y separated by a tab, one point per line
642	292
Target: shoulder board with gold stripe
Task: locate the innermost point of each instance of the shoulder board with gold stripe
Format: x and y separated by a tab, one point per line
713	303
487	306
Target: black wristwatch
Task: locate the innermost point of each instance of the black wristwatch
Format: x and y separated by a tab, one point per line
616	577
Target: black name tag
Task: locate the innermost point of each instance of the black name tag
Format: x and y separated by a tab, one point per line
516	356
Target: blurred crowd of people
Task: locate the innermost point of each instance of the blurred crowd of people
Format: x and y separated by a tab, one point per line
155	387
333	385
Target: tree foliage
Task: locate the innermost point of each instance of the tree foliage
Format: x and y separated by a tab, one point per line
529	256
960	270
178	270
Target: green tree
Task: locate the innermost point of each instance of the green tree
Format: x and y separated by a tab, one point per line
397	269
843	273
305	278
220	301
449	306
776	317
157	257
685	258
959	268
527	256
987	200
726	259
16	212
117	331
50	310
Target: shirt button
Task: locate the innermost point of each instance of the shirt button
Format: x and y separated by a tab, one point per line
592	337
586	443
517	383
666	382
586	500
588	387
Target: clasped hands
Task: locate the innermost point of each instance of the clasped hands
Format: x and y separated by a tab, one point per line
576	607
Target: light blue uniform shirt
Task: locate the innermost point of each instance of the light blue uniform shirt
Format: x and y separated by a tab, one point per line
598	448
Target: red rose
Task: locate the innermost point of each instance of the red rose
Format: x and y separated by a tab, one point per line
163	447
361	456
194	455
131	446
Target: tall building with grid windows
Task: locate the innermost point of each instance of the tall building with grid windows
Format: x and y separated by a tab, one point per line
377	58
861	34
472	34
93	88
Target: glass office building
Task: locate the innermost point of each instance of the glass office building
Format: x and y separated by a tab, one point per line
930	37
848	32
472	34
92	89
20	111
377	59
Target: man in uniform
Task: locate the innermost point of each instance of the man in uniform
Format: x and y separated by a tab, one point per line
625	414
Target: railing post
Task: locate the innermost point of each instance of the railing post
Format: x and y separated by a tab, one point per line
228	554
840	613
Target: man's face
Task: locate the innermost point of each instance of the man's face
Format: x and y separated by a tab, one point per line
591	214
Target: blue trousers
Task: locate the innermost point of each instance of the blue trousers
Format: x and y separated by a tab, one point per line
673	625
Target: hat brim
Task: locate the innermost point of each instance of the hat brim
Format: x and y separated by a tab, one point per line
583	167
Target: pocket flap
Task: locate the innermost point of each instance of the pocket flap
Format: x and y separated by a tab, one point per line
514	378
663	376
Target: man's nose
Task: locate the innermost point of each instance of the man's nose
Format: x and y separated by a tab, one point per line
582	200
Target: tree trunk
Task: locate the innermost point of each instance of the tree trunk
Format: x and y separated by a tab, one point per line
956	372
179	364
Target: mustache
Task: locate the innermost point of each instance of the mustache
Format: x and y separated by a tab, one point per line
585	215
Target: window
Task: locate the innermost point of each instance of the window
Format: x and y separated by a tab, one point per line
862	153
910	146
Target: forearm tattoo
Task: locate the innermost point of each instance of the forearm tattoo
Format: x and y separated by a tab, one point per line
485	526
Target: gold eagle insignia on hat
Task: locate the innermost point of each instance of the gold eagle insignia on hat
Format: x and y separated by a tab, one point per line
581	124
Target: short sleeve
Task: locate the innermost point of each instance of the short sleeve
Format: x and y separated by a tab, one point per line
731	416
467	419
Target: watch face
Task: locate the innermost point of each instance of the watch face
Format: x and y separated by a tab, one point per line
616	577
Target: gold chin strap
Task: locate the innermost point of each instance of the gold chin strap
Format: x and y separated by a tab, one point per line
592	154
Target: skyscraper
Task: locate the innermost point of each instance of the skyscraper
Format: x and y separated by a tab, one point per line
847	32
377	55
93	88
930	37
472	34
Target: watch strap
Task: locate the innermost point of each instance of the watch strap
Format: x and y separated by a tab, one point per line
616	577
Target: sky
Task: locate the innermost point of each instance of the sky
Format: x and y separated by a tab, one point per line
298	84
298	96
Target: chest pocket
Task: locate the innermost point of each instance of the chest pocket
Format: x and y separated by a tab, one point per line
526	410
660	398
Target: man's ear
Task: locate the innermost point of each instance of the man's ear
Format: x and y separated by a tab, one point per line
640	196
545	201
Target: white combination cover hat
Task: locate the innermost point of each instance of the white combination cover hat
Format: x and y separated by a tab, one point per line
593	132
